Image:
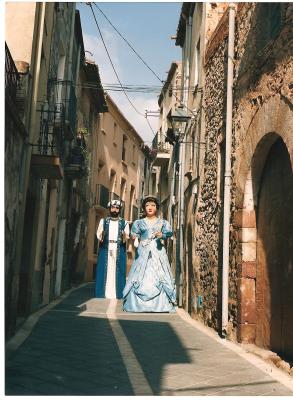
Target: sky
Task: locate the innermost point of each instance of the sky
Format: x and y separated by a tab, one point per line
148	27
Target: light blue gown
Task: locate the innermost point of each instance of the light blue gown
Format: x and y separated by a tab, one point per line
150	286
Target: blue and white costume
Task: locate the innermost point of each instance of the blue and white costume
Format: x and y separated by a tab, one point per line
111	265
150	286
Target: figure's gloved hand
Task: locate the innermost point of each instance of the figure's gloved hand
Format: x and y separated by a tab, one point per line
158	235
136	242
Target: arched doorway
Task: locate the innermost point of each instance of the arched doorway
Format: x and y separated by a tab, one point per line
274	253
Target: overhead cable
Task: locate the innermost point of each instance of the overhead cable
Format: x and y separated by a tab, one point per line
129	44
112	62
173	94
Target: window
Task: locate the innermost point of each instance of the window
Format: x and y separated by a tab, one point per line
115	133
132	189
196	63
133	154
112	180
124	144
122	188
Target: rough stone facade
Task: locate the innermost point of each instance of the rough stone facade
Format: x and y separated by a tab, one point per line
207	277
263	131
262	124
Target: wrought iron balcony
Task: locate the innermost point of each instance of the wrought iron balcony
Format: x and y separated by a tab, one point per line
66	103
162	148
49	151
11	75
77	160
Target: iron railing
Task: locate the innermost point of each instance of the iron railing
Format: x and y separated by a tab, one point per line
159	144
11	75
49	143
65	98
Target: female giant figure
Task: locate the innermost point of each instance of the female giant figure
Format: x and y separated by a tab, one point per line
150	286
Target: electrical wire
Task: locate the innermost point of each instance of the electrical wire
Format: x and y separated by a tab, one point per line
128	44
173	94
128	88
112	62
116	72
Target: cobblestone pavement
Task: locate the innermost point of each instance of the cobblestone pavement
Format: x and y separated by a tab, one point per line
87	346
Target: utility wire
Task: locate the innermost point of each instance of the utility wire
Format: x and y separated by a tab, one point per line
116	72
112	62
173	94
128	44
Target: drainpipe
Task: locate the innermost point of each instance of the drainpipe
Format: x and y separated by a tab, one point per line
227	178
181	168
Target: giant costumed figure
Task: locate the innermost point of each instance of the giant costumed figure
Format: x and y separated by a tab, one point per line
112	234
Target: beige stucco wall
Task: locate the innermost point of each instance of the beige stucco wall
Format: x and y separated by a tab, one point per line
19	23
107	157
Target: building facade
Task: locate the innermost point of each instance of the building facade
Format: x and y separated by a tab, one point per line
236	69
118	172
46	159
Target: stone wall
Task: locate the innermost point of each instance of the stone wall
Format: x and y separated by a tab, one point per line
262	104
207	278
262	81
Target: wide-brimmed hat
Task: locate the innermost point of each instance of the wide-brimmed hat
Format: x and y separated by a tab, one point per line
116	203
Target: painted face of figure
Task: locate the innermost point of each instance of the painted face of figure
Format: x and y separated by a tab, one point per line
114	211
150	208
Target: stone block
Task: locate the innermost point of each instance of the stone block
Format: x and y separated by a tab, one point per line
246	308
248	219
248	251
244	218
248	269
247	235
246	333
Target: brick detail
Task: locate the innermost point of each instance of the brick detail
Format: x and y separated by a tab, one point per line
244	219
248	270
246	333
246	308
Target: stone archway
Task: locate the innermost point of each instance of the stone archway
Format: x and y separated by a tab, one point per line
274	254
267	157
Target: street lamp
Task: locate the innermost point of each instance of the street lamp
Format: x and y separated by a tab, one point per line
177	121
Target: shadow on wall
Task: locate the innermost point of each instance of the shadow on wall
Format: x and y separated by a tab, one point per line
259	55
89	361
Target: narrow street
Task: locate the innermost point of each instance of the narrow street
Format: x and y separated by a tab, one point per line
87	346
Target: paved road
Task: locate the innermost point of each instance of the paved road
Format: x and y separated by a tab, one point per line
87	346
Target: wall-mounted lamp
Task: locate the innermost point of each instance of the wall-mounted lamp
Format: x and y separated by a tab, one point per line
176	119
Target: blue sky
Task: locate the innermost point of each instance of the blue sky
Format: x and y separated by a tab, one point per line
148	27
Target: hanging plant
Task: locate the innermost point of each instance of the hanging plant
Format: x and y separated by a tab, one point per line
82	132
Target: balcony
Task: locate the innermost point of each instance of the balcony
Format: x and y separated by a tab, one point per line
76	165
162	148
11	76
66	104
48	152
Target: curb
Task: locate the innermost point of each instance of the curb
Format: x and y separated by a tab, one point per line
26	328
242	350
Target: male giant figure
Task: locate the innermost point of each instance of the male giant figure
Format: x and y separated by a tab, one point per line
111	266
